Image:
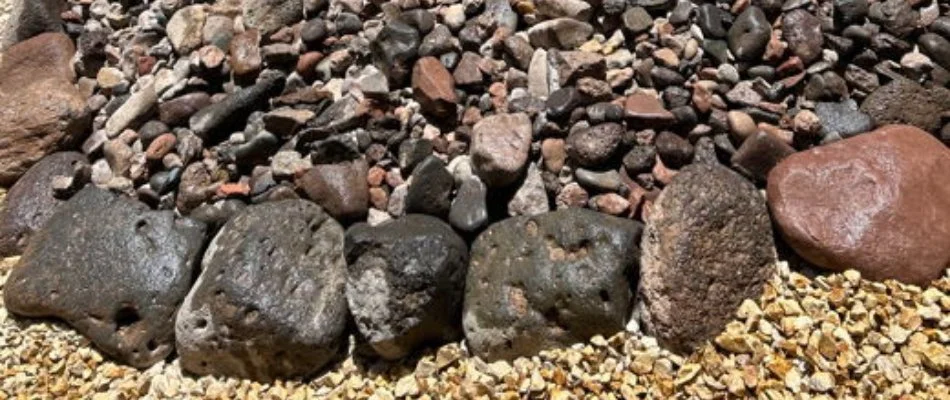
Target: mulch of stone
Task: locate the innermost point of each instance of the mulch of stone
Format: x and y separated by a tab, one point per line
835	336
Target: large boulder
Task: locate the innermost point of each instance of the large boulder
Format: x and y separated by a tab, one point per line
548	281
28	18
270	301
114	270
707	247
878	202
42	111
405	282
31	203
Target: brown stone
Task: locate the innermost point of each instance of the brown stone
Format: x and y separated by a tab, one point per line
760	153
877	202
42	112
246	53
161	146
433	87
341	189
646	108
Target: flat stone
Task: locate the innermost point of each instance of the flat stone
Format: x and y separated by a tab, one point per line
270	301
707	247
802	31
415	257
643	107
549	281
114	270
30	202
43	112
878	202
185	29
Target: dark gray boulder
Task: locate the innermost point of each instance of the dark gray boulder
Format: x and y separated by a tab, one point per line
549	280
270	300
29	18
405	283
30	202
114	270
707	247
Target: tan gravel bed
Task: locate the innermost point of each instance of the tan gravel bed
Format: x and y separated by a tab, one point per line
836	336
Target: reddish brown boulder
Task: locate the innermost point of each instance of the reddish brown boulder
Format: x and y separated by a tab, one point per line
877	202
42	111
433	87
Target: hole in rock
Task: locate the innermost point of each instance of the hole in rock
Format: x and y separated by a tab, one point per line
126	316
604	296
151	345
201	323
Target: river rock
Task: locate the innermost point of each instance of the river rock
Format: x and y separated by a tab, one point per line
114	270
469	211
878	202
750	34
216	119
707	247
500	146
405	283
549	281
270	301
42	111
30	202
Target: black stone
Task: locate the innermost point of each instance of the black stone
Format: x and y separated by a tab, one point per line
431	188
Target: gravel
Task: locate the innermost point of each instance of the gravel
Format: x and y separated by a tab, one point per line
834	336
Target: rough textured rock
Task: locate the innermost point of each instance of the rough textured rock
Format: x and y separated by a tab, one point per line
341	189
433	87
877	202
549	280
888	105
42	111
29	18
114	270
270	15
30	202
270	301
707	246
500	145
405	283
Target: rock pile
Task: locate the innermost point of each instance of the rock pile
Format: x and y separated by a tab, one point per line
412	172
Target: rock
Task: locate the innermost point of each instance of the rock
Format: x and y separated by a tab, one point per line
878	202
637	20
560	33
741	125
549	281
215	120
270	301
268	16
802	30
519	50
577	9
842	118
937	48
434	88
341	189
749	34
431	188
185	29
405	283
500	146
888	105
707	247
112	269
710	20
175	112
640	159
562	102
595	145
574	65
539	78
31	202
531	198
246	58
42	111
644	108
29	18
600	181
759	154
850	12
467	72
395	50
469	211
674	151
895	16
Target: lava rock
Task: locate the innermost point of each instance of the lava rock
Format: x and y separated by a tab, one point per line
889	104
595	145
43	112
405	283
707	247
548	281
114	270
802	30
500	146
878	202
30	202
270	301
675	151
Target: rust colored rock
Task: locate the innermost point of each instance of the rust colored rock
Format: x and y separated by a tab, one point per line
246	56
341	189
433	87
877	202
646	108
42	111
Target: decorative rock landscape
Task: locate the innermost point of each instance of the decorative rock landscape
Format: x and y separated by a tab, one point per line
265	189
